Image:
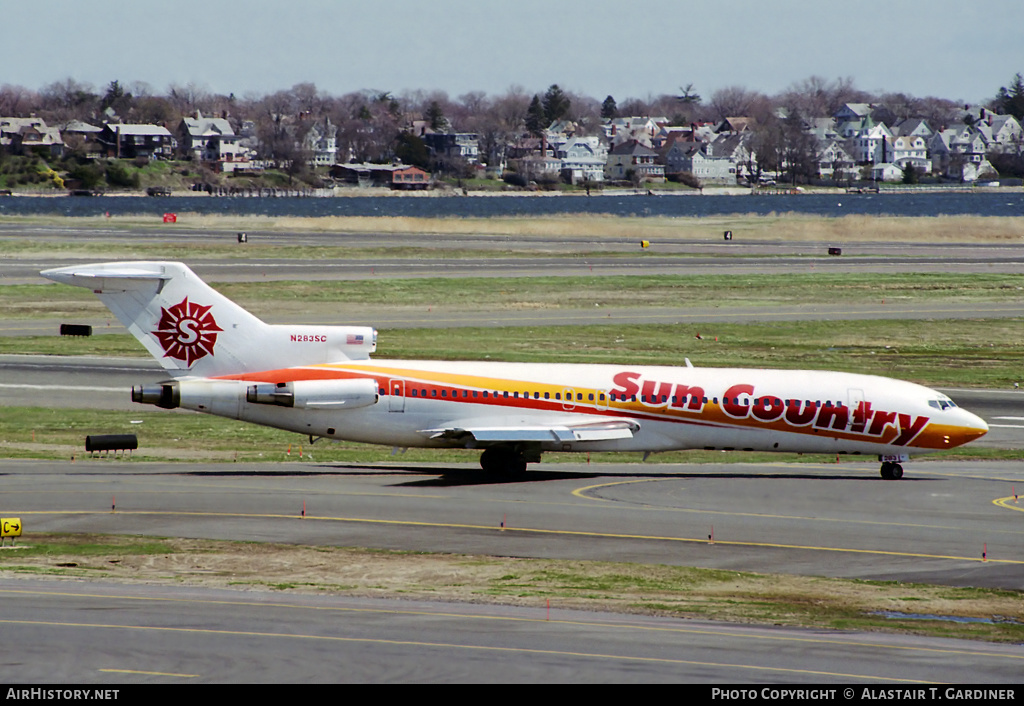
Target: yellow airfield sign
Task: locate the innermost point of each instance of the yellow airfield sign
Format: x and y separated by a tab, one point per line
10	526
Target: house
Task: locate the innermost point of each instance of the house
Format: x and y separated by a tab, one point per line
131	141
737	124
695	158
1006	132
911	149
853	112
632	160
583	159
737	149
952	150
886	171
620	131
395	176
834	162
82	137
30	135
321	143
212	141
823	129
453	145
871	144
913	126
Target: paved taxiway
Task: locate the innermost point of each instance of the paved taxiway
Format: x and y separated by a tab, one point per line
791	518
835	520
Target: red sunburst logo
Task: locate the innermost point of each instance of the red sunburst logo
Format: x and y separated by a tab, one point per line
187	332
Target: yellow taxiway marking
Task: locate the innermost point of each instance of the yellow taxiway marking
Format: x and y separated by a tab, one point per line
529	530
139	671
1009	502
450	646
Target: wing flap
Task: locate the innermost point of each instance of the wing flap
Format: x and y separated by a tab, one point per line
597	431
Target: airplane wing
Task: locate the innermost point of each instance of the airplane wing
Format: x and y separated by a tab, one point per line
595	431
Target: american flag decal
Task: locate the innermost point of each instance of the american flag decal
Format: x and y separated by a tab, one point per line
354	339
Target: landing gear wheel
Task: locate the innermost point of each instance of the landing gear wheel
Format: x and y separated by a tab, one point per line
503	461
892	471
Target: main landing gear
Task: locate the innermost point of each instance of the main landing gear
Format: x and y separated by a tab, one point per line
891	471
503	460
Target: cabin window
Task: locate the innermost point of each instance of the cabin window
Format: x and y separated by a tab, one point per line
485	394
547	395
444	393
558	395
433	393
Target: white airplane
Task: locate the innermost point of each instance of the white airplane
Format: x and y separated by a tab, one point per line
320	381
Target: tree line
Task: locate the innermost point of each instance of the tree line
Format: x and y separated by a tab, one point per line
370	123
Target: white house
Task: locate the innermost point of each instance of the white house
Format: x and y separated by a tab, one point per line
321	143
583	159
872	145
911	149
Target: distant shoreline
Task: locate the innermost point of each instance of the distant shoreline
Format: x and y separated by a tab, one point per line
357	192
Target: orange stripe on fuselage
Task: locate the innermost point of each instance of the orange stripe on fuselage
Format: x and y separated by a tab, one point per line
460	388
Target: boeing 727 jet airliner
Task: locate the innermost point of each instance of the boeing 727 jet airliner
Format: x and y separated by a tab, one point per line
320	381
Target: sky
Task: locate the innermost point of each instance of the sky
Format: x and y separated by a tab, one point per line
952	49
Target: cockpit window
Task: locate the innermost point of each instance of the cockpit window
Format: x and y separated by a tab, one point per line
942	404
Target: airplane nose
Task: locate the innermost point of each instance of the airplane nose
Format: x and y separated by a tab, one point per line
974	427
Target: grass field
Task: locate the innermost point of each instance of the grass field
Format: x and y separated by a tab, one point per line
570	292
774	226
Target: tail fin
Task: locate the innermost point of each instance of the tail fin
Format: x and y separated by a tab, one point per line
194	330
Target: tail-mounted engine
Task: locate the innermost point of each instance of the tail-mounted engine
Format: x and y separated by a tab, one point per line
315	394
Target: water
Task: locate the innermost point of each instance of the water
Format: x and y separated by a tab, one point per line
949	618
1008	203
